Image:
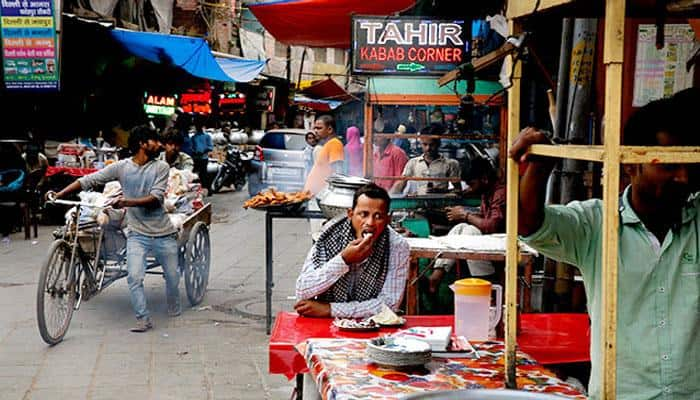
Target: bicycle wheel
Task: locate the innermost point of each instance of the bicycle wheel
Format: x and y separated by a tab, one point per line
197	259
56	293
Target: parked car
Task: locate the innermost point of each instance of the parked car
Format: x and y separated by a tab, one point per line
278	161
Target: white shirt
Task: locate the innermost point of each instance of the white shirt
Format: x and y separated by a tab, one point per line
313	282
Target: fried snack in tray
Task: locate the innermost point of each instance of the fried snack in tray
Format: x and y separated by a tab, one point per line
271	197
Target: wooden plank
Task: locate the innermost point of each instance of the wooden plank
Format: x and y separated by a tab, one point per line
659	154
418	99
523	8
479	63
418	136
512	251
464	254
613	60
628	154
419	178
577	152
412	290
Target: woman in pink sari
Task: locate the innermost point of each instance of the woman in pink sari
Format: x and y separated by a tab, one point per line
353	151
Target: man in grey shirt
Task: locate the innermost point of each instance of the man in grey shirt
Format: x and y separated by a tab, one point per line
144	180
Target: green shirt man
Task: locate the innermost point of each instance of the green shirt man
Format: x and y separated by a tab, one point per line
658	315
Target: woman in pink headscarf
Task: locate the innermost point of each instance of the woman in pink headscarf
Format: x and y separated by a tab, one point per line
353	151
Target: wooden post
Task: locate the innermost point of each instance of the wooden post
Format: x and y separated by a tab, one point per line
613	54
512	251
368	160
412	288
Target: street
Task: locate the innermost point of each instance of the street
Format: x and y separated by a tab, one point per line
217	350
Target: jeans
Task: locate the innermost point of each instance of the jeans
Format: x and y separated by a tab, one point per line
165	250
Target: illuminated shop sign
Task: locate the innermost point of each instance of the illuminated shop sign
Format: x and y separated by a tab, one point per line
408	46
198	102
159	105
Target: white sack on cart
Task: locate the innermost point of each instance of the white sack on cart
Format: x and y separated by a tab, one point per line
177	220
179	181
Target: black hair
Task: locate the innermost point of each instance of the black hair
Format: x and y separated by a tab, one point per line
372	191
141	134
171	135
309	133
199	122
672	115
327	120
478	168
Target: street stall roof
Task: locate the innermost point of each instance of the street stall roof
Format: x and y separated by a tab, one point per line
326	89
318	23
426	86
317	104
189	53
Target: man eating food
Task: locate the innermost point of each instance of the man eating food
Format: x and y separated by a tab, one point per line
358	264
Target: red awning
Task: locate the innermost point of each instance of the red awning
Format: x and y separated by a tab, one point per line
326	89
318	23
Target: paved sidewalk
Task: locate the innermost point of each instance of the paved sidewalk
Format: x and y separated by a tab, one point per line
215	351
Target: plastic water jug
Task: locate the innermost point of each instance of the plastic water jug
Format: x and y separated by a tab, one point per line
474	317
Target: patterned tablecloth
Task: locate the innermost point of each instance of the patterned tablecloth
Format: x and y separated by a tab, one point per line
342	371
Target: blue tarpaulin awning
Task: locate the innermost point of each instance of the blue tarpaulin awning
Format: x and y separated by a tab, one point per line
189	53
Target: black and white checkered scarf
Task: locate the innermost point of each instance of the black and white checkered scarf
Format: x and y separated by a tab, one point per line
371	280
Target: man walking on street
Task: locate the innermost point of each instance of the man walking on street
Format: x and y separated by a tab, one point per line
330	158
144	180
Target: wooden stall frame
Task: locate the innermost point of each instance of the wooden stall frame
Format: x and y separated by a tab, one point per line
612	154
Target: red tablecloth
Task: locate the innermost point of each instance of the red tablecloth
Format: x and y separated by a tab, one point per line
342	370
548	338
77	172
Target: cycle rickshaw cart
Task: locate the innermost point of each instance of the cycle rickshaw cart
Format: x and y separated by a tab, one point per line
76	267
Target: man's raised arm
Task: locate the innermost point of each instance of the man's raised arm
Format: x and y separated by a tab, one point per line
533	182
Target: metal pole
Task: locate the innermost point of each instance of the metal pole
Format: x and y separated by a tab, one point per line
268	272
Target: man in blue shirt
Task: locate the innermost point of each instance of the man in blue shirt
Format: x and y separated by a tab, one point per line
201	146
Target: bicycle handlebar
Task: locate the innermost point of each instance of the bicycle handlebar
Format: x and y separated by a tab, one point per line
76	203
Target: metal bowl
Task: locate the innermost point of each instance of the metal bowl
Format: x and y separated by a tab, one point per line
336	199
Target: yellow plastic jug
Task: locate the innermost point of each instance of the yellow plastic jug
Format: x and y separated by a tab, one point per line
474	317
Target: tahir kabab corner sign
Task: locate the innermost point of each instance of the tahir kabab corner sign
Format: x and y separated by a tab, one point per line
407	45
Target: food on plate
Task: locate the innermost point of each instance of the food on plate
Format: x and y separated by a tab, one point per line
273	197
387	317
346	323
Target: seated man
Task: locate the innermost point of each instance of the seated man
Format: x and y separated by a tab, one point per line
430	164
491	218
357	264
172	141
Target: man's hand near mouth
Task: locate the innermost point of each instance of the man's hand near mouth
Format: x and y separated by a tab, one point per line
358	250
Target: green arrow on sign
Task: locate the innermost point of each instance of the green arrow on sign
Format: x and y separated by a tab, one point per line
412	67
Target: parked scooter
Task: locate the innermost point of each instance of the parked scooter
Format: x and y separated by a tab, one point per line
233	170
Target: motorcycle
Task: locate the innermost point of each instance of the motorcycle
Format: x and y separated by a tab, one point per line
233	170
